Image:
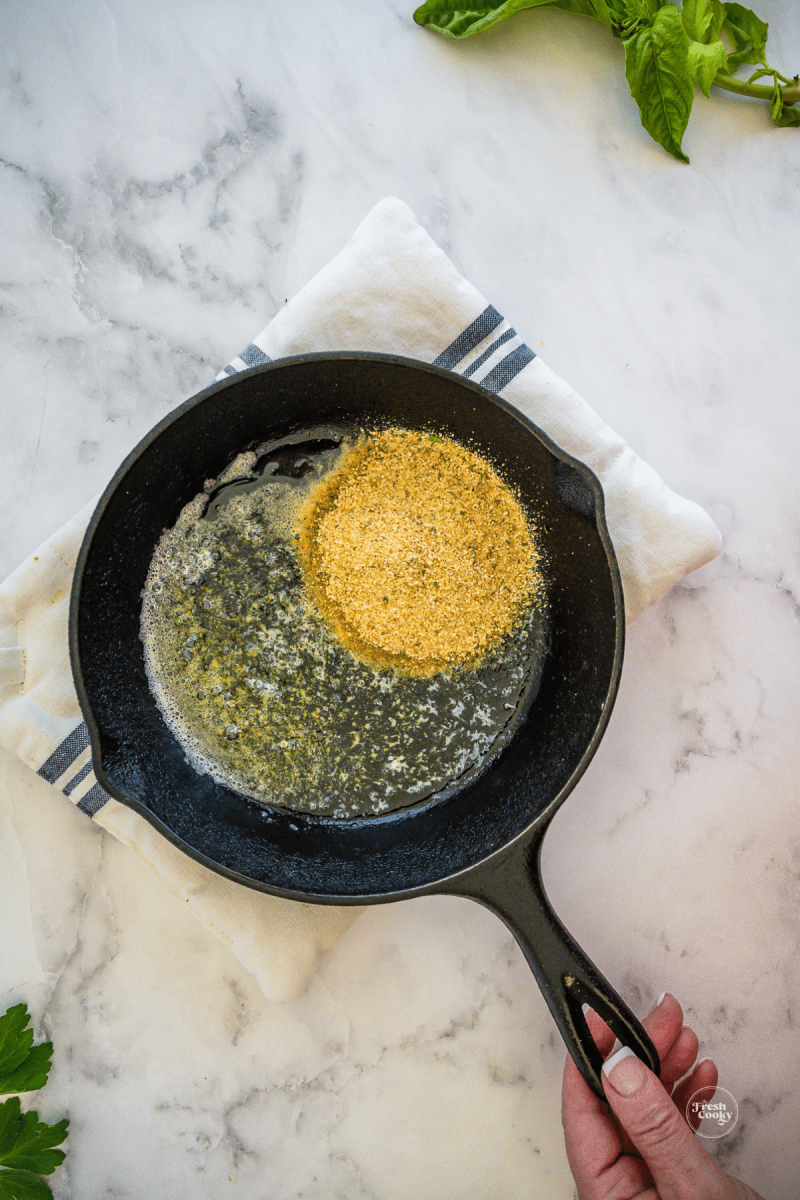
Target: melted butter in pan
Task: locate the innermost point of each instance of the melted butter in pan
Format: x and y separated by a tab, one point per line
261	693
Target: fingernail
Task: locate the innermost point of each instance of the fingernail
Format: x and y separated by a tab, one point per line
625	1072
657	1003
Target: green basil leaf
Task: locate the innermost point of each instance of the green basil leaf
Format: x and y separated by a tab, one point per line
657	70
22	1185
776	103
788	117
463	18
703	19
704	62
644	10
460	18
759	74
26	1143
596	10
749	35
620	13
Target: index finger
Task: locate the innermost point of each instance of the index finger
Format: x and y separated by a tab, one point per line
591	1138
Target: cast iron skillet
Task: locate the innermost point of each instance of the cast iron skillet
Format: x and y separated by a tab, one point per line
483	841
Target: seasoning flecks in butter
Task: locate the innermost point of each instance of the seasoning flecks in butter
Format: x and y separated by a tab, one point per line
270	695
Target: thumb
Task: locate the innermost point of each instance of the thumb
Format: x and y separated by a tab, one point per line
680	1166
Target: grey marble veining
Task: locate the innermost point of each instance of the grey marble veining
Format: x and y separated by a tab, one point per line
169	175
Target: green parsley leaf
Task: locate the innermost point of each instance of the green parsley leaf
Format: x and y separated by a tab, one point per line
15	1038
749	35
705	61
22	1185
26	1143
657	70
31	1074
23	1067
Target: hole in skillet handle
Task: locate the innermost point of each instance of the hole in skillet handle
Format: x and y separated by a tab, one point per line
582	1047
511	886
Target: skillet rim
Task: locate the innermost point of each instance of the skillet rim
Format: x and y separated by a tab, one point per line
456	882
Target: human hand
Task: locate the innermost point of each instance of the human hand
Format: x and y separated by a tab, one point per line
638	1146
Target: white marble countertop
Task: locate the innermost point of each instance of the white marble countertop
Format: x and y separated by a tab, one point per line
169	175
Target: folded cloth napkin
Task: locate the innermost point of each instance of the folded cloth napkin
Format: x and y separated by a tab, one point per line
391	289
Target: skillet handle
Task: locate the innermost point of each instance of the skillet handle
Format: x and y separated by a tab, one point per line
566	977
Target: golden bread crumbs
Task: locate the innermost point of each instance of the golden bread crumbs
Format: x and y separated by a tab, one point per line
417	553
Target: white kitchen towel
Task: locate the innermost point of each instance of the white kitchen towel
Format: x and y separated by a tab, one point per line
391	289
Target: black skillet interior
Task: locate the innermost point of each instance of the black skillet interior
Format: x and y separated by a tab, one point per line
138	759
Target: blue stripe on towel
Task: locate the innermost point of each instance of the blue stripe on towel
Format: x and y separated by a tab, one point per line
69	788
487	354
254	356
507	368
93	801
65	754
62	759
472	336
